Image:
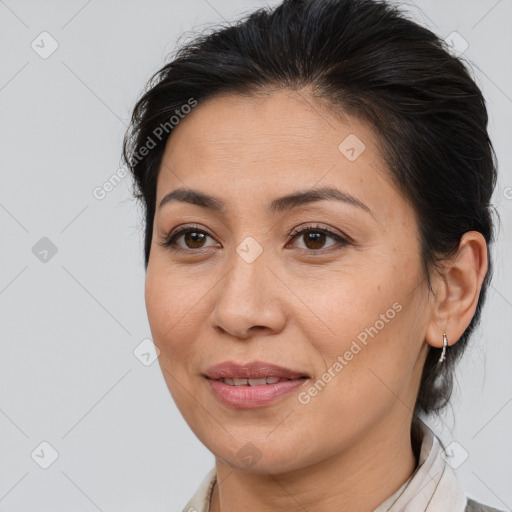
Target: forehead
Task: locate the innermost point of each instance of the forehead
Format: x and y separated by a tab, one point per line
282	127
282	141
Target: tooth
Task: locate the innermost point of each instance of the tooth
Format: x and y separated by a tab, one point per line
240	382
229	381
272	380
257	382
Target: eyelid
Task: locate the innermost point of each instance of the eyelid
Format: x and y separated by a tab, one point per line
320	227
186	227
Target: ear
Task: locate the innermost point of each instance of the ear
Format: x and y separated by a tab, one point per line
457	289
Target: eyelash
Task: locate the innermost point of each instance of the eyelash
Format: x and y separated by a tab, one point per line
170	241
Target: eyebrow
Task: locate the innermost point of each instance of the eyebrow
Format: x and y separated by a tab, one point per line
278	205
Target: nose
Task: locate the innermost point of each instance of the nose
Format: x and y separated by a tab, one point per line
249	300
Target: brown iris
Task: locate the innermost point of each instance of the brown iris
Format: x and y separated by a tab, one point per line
316	238
194	237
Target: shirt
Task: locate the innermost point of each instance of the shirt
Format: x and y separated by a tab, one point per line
433	487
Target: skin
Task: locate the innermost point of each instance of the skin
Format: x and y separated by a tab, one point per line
349	448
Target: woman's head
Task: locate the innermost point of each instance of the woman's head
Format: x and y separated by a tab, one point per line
345	95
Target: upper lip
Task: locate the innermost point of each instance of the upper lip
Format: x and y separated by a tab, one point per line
252	370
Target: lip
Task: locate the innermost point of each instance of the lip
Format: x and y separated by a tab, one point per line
252	370
247	396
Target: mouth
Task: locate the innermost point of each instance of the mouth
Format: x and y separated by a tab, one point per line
252	385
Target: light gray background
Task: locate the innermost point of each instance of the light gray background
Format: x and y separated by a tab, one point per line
69	325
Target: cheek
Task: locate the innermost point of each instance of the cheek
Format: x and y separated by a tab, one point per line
347	306
174	307
366	299
172	317
365	341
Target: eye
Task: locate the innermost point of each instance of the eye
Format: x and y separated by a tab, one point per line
315	237
193	238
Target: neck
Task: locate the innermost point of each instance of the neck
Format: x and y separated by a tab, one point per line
359	478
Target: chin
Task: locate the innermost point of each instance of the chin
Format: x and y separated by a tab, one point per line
257	455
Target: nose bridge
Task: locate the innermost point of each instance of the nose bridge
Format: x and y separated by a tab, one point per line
249	273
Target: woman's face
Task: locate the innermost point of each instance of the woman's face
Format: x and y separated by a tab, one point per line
347	311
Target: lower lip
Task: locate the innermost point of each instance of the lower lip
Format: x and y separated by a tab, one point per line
249	397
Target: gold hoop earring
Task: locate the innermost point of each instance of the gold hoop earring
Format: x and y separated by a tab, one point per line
443	353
